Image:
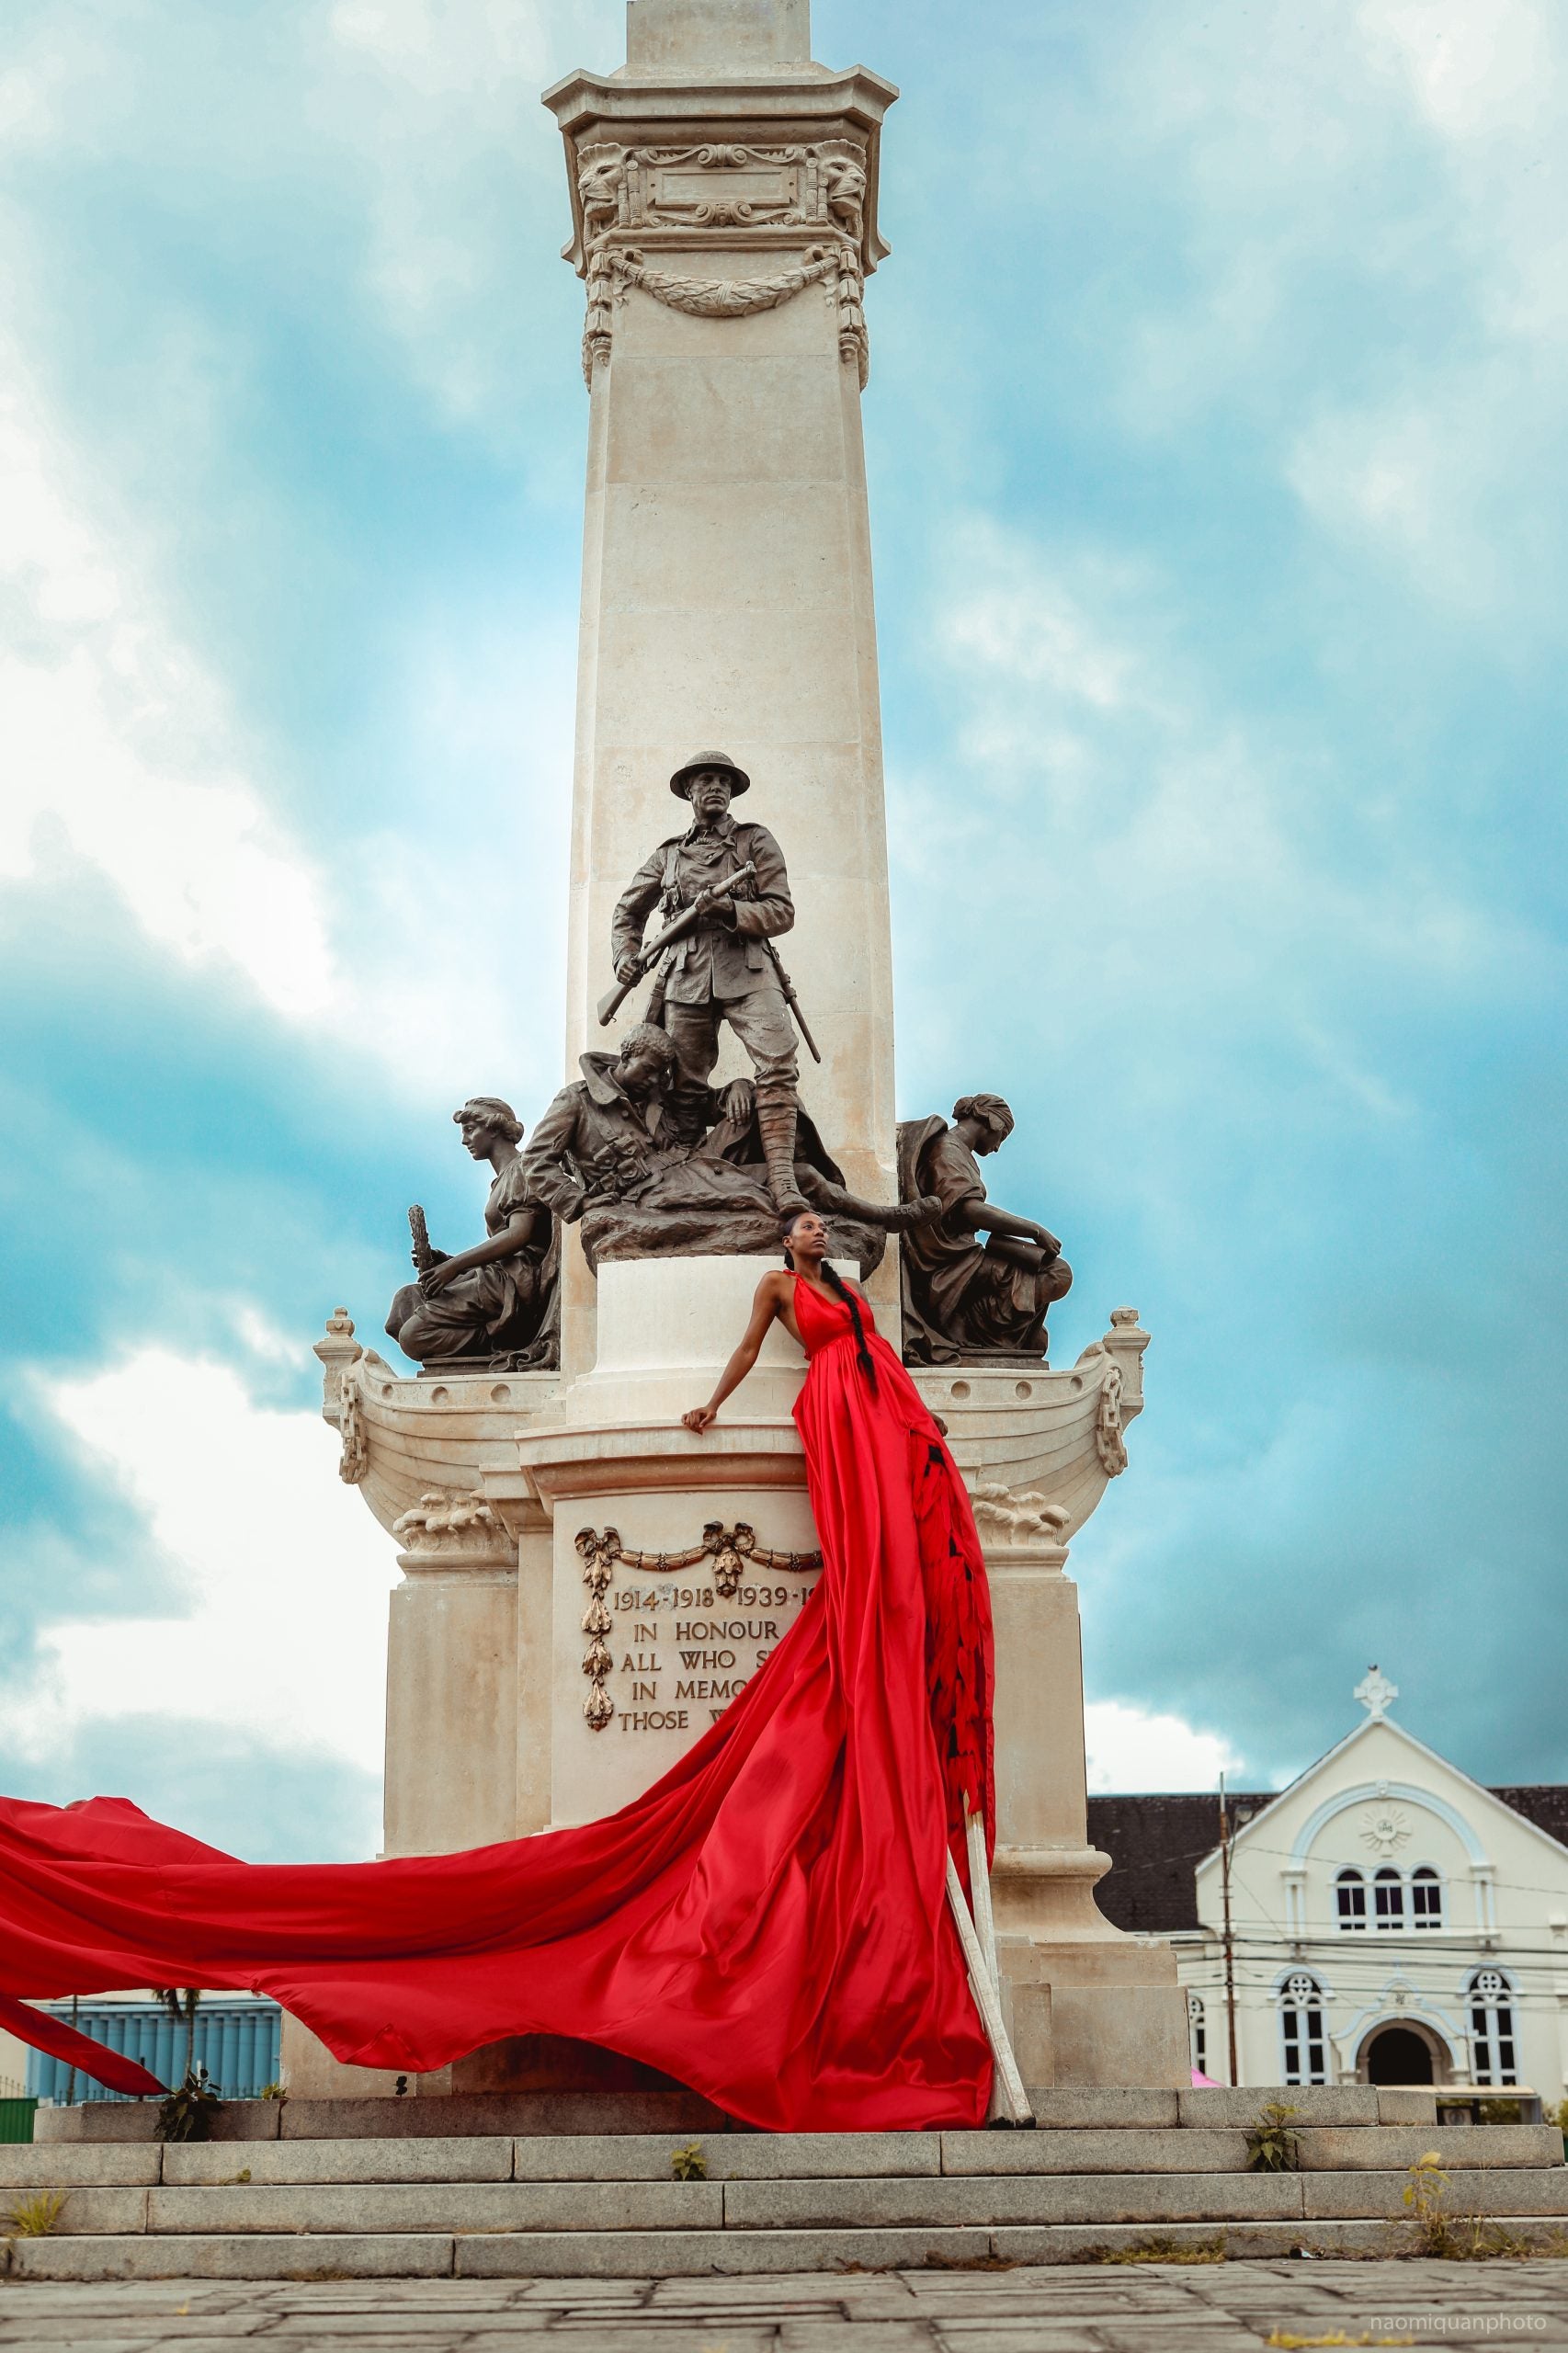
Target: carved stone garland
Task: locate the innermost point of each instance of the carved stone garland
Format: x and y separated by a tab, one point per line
355	1459
1109	1444
717	187
615	268
732	1551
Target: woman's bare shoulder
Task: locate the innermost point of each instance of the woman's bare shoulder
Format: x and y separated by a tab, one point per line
778	1283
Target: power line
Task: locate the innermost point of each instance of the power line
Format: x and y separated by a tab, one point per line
1514	1886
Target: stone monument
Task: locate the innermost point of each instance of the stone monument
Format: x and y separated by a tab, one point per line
587	1584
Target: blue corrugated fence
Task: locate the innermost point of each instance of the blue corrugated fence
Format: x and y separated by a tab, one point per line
236	2042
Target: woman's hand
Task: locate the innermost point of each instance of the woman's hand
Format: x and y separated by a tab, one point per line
435	1279
701	1419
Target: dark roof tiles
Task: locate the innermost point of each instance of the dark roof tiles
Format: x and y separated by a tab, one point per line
1156	1841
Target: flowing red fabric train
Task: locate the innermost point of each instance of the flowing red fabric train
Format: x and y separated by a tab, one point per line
78	2051
768	1923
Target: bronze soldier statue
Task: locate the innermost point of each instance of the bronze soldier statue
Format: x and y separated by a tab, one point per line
723	968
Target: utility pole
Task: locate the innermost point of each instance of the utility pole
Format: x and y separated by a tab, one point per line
70	2078
1228	1940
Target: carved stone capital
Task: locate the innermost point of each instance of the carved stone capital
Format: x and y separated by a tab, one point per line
798	147
630	199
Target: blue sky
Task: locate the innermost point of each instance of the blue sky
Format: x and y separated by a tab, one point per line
1217	478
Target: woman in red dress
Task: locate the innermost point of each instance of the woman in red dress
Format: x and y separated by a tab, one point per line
768	1923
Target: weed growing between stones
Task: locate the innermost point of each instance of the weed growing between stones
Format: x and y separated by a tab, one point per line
689	2164
37	2217
1425	2199
1460	2238
188	2114
1272	2147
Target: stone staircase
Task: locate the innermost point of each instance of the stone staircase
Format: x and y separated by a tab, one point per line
279	2197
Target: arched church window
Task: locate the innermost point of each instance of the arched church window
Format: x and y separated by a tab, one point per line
1302	2032
1492	2027
1196	2034
1350	1896
1388	1898
1426	1897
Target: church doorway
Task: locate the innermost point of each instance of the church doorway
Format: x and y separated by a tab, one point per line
1396	2054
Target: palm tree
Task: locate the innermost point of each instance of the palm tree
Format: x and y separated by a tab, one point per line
177	2009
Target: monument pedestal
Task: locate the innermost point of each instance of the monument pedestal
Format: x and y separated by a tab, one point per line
503	1491
1087	2003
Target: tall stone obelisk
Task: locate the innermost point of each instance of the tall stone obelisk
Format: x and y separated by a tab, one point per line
724	199
588	1584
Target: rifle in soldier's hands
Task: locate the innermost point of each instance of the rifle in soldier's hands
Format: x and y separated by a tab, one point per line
684	923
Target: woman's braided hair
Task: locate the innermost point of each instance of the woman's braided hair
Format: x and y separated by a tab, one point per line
841	1289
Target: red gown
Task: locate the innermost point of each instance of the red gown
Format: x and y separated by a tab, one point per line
768	1923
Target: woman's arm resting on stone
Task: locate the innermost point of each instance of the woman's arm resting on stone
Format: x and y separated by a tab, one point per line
767	1301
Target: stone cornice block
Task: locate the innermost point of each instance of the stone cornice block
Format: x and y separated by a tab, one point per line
650	1458
807	105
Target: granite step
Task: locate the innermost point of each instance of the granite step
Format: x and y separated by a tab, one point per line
676	2254
762	2205
642	2115
1075	2151
1104	2172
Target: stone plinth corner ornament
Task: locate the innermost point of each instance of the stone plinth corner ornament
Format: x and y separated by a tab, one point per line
1008	1516
445	1523
1375	1692
338	1350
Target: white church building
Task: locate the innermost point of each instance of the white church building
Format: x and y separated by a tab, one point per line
1389	1920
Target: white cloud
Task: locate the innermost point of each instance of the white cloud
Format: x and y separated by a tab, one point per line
438	109
282	1572
1474	72
1131	1748
403	133
1215	857
119	745
122	753
1363	253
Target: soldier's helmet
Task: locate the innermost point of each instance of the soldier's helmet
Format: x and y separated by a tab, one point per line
681	781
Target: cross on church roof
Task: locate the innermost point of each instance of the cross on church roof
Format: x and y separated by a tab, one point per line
1375	1691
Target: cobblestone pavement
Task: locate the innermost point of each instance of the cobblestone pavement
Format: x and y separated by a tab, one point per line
1153	2308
